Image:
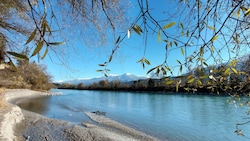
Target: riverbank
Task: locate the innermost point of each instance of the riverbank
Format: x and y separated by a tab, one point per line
18	124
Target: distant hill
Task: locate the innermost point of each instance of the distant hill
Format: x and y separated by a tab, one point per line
127	77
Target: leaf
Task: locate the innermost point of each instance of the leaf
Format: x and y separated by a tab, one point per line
99	70
101	65
56	43
238	13
18	56
191	80
169	82
38	48
47	26
227	71
233	63
187	34
176	44
32	35
137	29
182	51
201	51
235	38
210	27
199	82
157	70
159	36
181	68
141	60
205	64
151	70
182	26
169	25
234	70
179	62
182	33
45	53
13	66
243	8
128	34
169	45
214	38
43	28
163	71
247	12
212	49
146	61
118	39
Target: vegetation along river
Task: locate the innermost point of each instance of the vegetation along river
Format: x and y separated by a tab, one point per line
176	117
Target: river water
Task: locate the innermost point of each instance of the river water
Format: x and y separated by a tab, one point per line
175	117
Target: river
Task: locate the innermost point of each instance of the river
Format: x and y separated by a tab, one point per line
175	117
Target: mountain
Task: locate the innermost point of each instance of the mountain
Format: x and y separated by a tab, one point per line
127	77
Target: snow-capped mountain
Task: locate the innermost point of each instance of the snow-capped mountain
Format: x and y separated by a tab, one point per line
127	77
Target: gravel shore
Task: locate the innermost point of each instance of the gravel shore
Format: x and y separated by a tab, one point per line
21	125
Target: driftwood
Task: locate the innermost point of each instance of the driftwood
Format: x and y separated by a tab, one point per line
99	113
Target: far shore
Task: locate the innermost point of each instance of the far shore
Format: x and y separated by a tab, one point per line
18	124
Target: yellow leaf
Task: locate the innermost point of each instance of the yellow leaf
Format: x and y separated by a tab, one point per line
182	33
45	53
227	71
247	12
210	27
212	49
137	29
169	82
233	63
191	80
214	38
243	8
18	56
238	13
169	25
159	36
199	82
203	77
32	35
38	48
234	70
146	61
182	51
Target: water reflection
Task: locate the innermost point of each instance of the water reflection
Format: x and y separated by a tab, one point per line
37	105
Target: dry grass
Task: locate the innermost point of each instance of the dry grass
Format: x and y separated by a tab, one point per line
2	100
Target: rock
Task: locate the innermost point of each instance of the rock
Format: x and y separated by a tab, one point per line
99	113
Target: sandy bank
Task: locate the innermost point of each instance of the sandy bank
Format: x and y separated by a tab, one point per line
18	124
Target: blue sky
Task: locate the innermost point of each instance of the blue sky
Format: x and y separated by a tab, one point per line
81	60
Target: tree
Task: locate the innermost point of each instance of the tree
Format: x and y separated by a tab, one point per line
40	23
205	33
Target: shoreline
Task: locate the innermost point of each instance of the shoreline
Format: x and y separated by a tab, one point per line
27	125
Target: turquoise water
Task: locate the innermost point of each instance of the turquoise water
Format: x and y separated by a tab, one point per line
174	117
